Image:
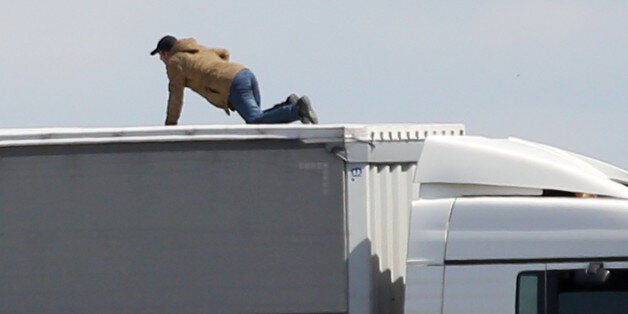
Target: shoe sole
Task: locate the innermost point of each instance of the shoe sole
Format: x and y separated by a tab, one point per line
308	116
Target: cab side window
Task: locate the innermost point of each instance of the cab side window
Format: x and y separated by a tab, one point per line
573	291
576	292
531	293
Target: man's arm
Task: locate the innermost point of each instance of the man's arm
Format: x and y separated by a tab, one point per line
175	98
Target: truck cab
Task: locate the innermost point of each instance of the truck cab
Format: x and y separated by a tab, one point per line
509	226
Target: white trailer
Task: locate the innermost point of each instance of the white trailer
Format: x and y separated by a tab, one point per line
304	219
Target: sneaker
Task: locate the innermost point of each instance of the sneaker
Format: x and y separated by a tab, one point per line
306	113
291	100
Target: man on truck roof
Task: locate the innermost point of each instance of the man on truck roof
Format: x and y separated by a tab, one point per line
225	84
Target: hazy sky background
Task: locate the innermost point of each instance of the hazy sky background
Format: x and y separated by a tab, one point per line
554	72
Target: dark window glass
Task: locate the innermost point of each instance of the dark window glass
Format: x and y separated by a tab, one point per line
530	293
569	293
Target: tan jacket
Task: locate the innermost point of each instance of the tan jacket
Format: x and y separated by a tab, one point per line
207	71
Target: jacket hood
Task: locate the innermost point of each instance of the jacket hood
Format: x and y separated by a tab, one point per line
186	45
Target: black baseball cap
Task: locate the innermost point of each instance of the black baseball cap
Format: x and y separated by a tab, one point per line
164	44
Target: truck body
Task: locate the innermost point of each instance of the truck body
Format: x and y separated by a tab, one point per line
381	218
526	229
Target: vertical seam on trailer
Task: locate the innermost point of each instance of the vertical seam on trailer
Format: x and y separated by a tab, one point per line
442	300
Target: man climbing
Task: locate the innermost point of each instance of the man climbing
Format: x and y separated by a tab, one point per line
226	85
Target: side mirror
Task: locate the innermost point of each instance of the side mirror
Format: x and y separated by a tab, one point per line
594	275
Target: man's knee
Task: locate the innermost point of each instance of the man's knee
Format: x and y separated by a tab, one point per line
256	119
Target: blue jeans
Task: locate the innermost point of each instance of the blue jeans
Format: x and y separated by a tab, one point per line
245	98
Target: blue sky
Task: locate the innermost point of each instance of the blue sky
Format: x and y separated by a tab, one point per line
554	72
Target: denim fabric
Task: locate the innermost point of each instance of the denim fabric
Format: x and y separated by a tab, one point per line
245	99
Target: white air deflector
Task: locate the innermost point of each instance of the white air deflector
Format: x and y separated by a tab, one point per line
467	166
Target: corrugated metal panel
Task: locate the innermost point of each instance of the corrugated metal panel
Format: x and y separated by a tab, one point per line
391	191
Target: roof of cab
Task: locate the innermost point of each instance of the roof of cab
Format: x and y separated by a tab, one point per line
474	166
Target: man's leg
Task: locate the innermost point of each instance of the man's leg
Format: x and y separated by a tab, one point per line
242	97
245	99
